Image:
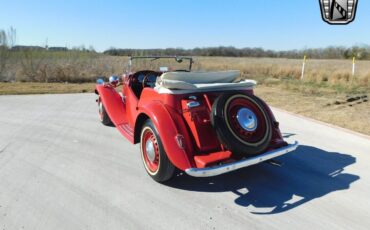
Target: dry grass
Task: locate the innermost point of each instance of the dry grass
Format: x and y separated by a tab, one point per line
332	74
324	107
325	82
44	88
79	67
72	66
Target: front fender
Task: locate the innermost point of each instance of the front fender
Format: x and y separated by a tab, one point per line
113	104
168	130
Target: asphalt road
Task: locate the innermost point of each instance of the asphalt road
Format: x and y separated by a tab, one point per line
61	169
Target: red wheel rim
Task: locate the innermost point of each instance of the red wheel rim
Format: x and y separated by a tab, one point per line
232	109
150	150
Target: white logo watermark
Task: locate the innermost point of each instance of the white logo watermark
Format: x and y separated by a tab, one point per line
338	12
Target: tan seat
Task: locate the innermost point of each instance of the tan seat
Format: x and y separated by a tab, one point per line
192	82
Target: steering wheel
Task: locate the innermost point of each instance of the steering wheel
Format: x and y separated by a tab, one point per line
146	79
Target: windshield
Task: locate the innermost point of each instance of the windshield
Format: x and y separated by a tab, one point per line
162	64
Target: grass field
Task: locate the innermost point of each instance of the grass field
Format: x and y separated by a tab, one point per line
19	88
328	91
333	75
77	67
351	112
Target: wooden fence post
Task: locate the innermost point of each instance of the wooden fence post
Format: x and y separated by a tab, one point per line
353	66
303	66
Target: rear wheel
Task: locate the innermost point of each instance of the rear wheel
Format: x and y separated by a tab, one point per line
154	158
241	123
103	115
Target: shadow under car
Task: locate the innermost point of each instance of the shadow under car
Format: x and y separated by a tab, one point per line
306	174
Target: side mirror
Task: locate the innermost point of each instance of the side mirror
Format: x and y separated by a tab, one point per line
113	80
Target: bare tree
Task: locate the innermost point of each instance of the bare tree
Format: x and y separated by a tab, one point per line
33	64
4	53
7	41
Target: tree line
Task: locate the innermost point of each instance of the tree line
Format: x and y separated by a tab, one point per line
360	52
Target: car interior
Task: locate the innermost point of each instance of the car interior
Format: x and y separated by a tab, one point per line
143	79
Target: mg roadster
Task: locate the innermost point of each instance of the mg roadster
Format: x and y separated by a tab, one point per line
202	123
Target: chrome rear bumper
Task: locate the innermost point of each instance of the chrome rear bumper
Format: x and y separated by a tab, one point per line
221	169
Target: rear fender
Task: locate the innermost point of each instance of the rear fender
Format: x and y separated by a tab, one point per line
277	138
113	104
168	130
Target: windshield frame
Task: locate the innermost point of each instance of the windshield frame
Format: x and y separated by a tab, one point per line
131	58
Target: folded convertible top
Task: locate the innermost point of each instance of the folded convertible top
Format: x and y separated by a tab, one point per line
191	82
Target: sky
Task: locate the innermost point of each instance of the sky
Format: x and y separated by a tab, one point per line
270	24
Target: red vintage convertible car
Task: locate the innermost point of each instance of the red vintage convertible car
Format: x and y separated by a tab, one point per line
203	123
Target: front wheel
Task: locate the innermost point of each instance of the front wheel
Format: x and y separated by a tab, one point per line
103	115
154	158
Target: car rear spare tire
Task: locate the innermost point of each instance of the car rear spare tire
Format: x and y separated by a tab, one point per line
242	123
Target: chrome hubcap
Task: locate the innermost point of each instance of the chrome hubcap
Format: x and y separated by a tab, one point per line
150	152
101	111
247	119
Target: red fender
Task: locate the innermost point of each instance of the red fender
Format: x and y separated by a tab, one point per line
277	138
168	131
113	104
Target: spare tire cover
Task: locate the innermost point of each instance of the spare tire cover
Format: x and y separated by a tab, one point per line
242	123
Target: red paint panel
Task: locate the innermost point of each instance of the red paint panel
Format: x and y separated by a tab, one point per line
113	104
168	131
198	120
126	131
277	139
131	102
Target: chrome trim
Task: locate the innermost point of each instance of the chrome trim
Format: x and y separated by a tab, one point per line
113	80
225	168
150	152
247	119
180	140
193	97
193	104
100	107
